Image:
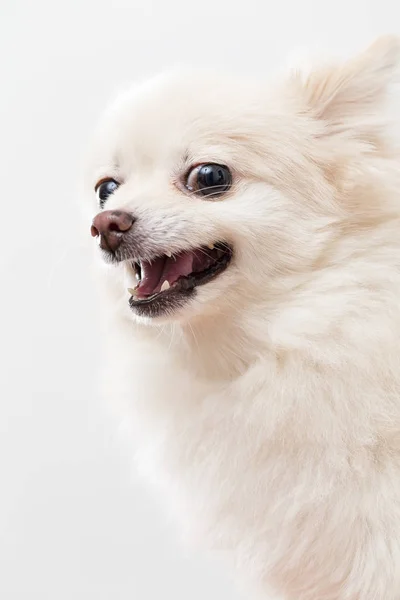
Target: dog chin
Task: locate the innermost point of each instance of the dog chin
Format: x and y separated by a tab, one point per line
164	306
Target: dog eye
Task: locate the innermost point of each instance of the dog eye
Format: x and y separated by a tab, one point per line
209	180
104	189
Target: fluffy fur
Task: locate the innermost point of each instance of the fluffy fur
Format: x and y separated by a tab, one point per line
268	408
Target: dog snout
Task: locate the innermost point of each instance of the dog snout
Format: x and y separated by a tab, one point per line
111	226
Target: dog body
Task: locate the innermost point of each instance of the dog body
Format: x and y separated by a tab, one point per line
264	399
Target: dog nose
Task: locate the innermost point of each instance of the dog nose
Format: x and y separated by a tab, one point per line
111	225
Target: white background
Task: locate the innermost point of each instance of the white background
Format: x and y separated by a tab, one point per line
75	524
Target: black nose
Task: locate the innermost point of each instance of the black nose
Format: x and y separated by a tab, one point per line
111	225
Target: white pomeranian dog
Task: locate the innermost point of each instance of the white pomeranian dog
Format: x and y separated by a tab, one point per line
252	314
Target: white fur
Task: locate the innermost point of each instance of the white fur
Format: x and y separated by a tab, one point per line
268	409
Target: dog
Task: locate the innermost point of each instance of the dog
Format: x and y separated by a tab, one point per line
248	251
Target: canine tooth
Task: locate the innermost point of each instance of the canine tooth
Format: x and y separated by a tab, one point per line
211	246
132	291
165	286
169	254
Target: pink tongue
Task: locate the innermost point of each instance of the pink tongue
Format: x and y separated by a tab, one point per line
164	269
151	275
176	267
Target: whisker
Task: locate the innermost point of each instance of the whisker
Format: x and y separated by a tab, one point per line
194	336
161	332
172	336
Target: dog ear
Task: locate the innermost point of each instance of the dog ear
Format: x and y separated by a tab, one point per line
355	88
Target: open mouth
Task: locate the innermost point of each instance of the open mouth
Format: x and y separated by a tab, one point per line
165	281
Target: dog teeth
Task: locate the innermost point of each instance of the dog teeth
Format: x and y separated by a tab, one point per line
132	291
165	286
211	246
169	254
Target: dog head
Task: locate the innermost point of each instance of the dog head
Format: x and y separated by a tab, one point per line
212	193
